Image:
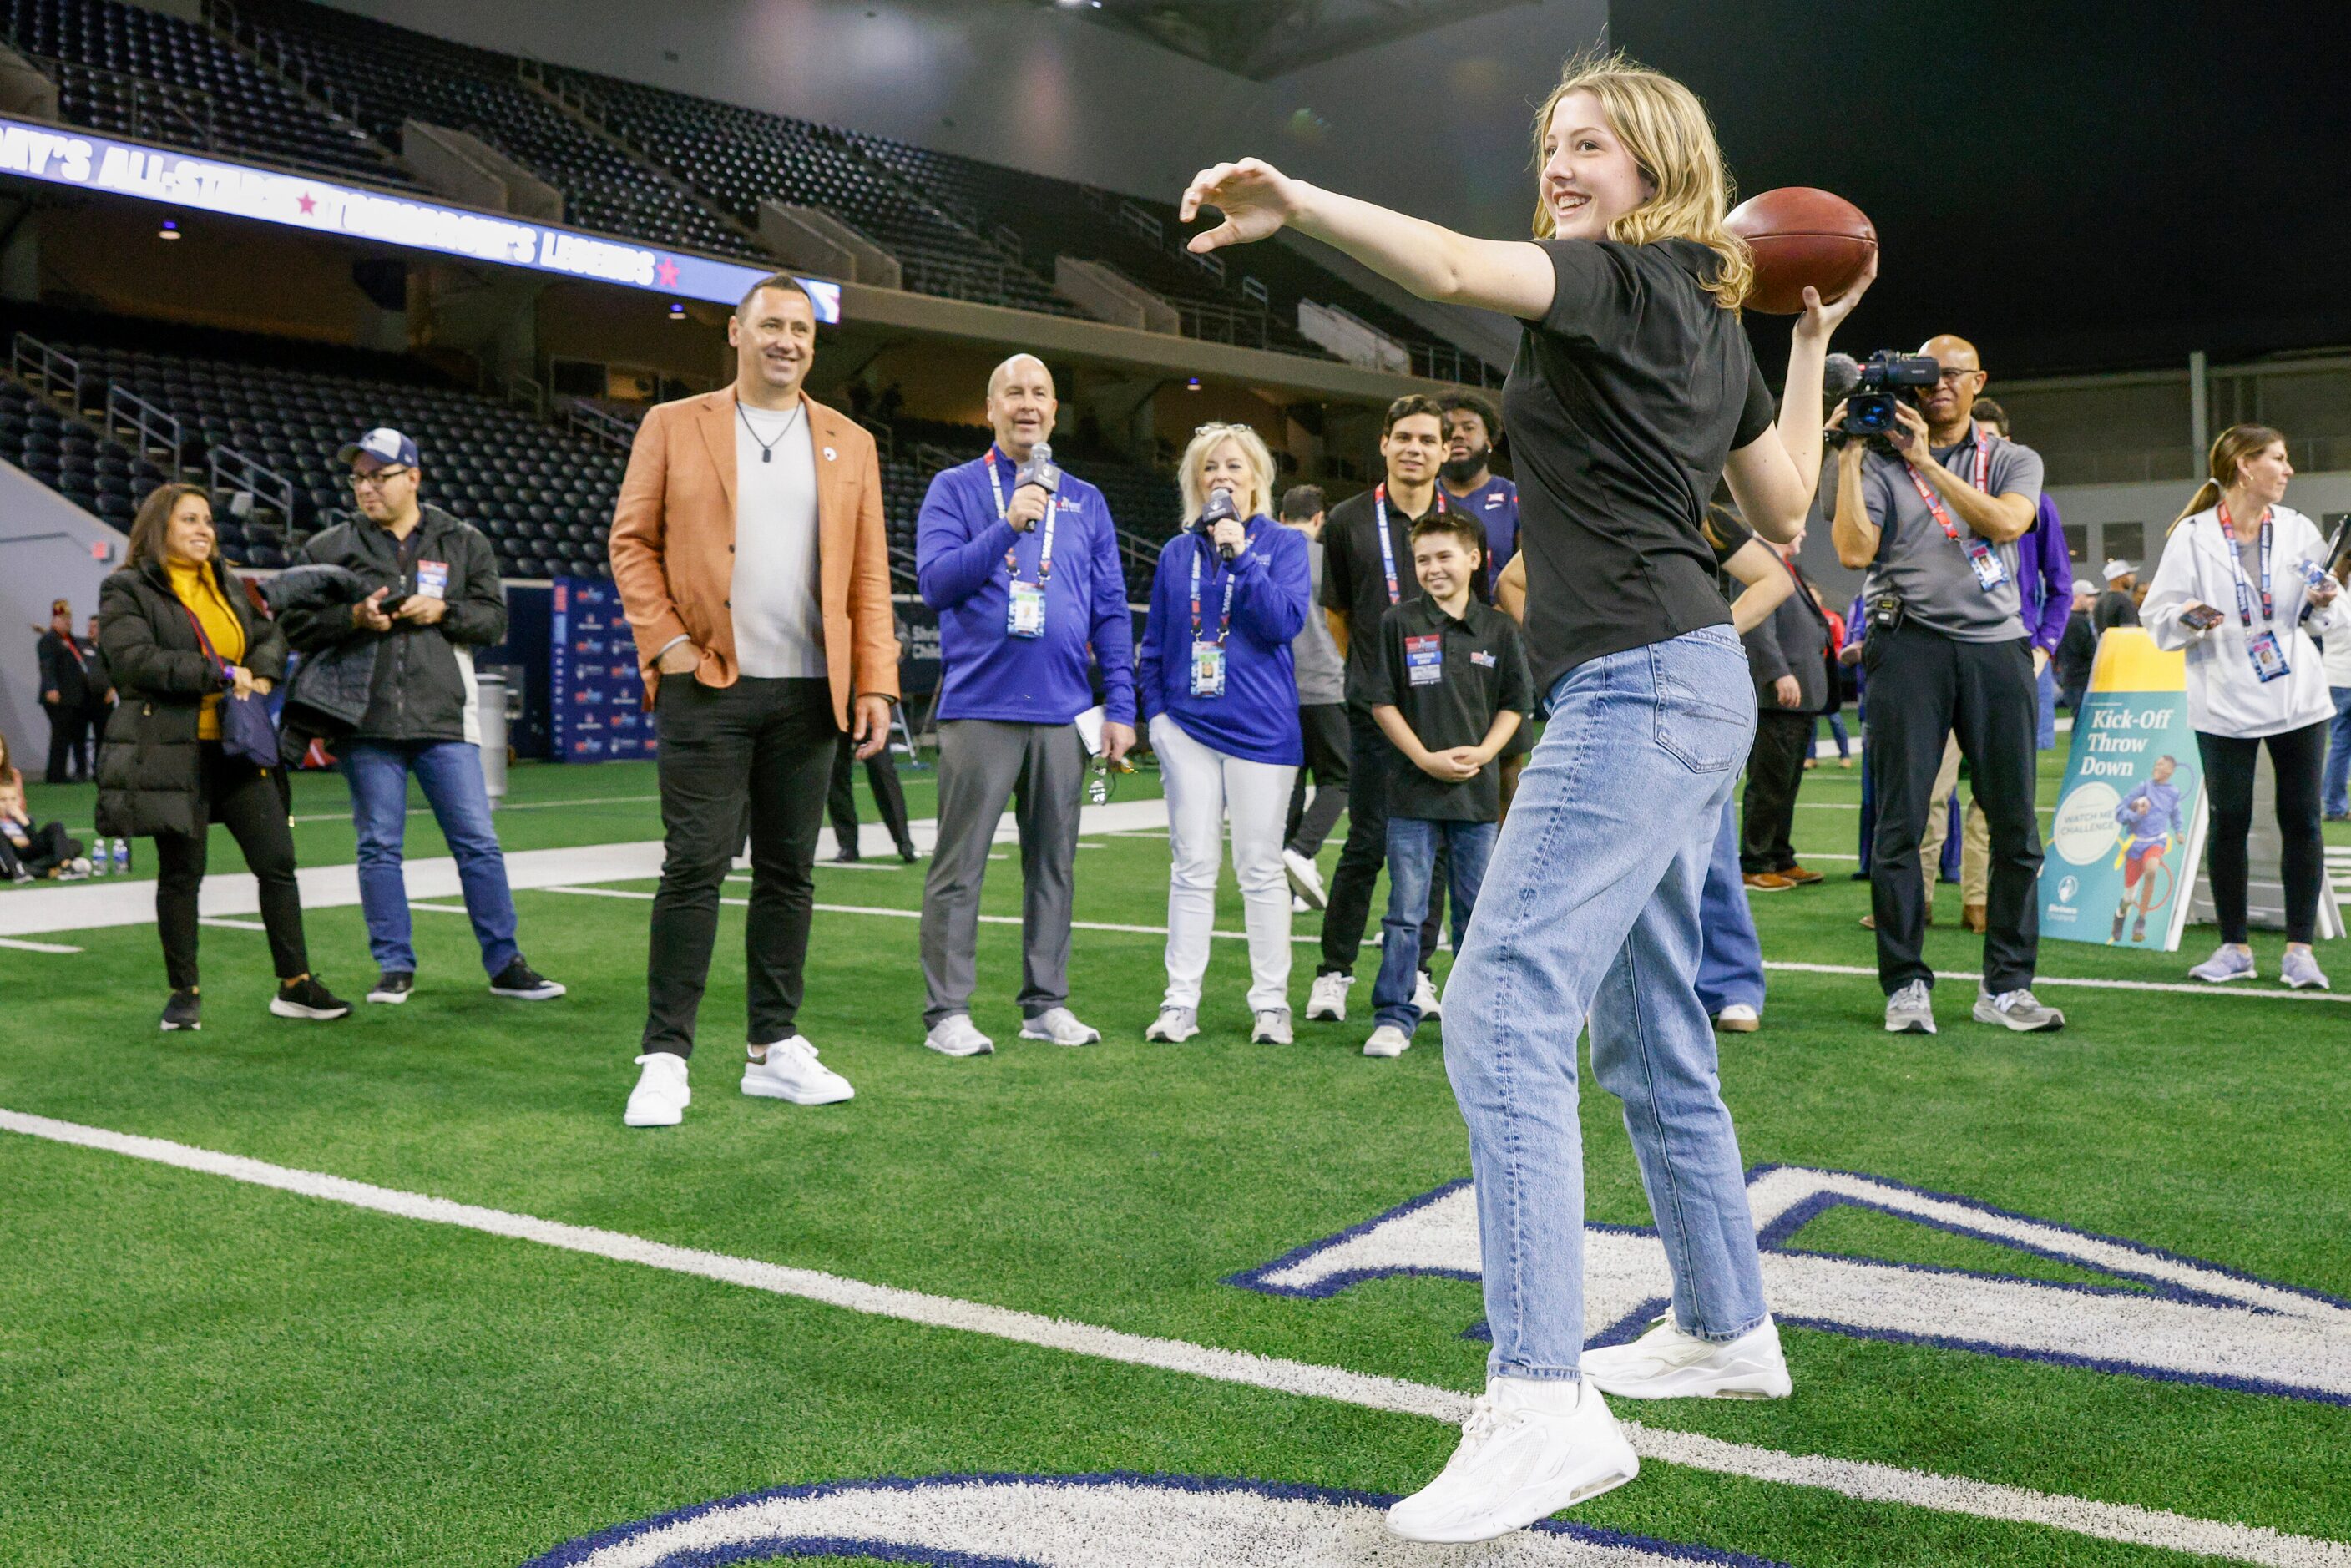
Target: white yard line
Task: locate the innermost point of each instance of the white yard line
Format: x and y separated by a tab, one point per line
17	944
502	805
233	925
1856	1479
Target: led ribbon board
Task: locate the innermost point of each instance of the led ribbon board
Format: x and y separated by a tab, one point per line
63	156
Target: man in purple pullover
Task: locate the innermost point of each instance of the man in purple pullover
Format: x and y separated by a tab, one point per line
1020	561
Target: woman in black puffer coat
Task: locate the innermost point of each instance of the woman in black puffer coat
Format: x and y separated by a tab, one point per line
178	634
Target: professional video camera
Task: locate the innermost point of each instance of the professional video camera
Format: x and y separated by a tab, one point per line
1869	387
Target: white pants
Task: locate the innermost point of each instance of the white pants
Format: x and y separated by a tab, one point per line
1202	786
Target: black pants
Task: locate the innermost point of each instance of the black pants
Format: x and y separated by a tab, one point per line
1323	727
1924	687
69	742
757	755
841	800
251	805
1775	771
46	848
1370	760
2299	758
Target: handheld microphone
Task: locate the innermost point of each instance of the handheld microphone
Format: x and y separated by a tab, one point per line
1219	508
1040	470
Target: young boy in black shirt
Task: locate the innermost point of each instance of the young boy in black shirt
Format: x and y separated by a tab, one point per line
1450	691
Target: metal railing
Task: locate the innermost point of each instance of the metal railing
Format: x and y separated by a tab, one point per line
884	438
1224	324
36	365
158	433
585	418
155	112
272	51
1009	243
525	390
1445	363
983	282
1142	224
234	473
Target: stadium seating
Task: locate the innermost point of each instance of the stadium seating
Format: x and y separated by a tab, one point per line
71	457
137	72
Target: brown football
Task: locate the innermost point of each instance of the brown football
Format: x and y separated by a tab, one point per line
1801	236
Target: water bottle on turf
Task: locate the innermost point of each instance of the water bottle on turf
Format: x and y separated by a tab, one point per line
99	859
123	857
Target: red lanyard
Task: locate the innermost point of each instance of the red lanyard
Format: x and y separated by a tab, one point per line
1935	502
1387	545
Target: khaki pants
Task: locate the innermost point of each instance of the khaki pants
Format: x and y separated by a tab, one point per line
1938	824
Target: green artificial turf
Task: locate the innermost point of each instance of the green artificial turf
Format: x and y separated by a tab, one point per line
195	1371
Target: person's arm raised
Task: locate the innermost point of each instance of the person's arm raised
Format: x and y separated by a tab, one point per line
1774	477
1256	199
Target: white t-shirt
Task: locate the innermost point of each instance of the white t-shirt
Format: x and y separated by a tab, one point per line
779	616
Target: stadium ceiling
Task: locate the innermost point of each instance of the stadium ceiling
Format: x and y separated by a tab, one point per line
1263	39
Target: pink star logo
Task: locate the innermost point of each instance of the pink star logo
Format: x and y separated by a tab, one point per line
307	202
665	273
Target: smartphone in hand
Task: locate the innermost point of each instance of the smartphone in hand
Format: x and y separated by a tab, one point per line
2201	617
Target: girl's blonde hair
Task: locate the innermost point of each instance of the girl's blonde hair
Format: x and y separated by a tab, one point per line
1259	502
2232	447
1664	126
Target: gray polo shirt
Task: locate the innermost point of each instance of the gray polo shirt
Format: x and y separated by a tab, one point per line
1927	570
1322	673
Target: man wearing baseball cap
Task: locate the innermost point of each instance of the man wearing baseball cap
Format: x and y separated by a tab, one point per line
432	596
2115	607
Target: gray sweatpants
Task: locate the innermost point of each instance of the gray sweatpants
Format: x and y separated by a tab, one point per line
983	764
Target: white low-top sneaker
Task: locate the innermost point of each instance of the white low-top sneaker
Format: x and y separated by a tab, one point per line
2226	964
1060	1026
1667	1363
1305	879
792	1072
2299	969
660	1098
1388	1040
1424	997
1529	1449
1328	1000
1737	1018
957	1036
2019	1009
1174	1025
1911	1009
1273	1027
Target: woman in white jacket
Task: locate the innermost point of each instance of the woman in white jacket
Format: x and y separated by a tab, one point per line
2242	589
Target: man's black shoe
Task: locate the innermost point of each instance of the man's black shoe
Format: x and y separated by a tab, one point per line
305	998
183	1011
520	981
394	986
846	857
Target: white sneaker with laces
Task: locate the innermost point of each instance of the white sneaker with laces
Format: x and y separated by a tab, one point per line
957	1036
661	1096
1424	997
1737	1018
2019	1009
1060	1026
2226	964
1273	1027
1388	1040
1174	1025
1529	1449
1667	1363
792	1072
1328	1000
1305	879
2299	970
1911	1009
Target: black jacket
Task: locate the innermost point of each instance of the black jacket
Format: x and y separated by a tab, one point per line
150	765
63	673
420	684
2114	609
1793	640
2076	651
328	694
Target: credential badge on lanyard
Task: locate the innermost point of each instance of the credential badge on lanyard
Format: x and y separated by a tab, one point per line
1981	558
1387	545
1207	657
2263	646
1025	601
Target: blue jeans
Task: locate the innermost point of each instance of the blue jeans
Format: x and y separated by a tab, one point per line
1589	915
450	774
1730	960
1412	858
2334	798
2045	737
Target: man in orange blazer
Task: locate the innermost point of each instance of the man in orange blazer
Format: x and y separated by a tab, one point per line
748	549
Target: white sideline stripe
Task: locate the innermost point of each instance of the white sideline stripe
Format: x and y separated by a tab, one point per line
499	805
20	946
1861	1480
233	925
917	914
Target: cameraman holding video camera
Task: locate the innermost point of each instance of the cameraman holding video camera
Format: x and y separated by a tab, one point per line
1931	504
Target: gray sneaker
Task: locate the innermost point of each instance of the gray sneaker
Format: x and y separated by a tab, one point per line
1060	1026
1273	1027
1911	1009
2019	1009
1174	1025
2299	969
2226	964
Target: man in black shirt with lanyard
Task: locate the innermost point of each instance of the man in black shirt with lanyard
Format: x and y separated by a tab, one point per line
1366	571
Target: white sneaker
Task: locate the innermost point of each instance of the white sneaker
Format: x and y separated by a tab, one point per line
1666	1364
1060	1026
792	1072
1911	1009
1305	879
1273	1027
1328	1000
1424	997
1174	1025
1297	904
1529	1449
1388	1040
1739	1018
957	1036
661	1096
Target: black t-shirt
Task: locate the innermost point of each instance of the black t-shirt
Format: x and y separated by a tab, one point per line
1355	581
1448	679
1624	401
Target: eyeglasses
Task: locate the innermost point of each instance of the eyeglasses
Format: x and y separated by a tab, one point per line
376	480
1950	375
